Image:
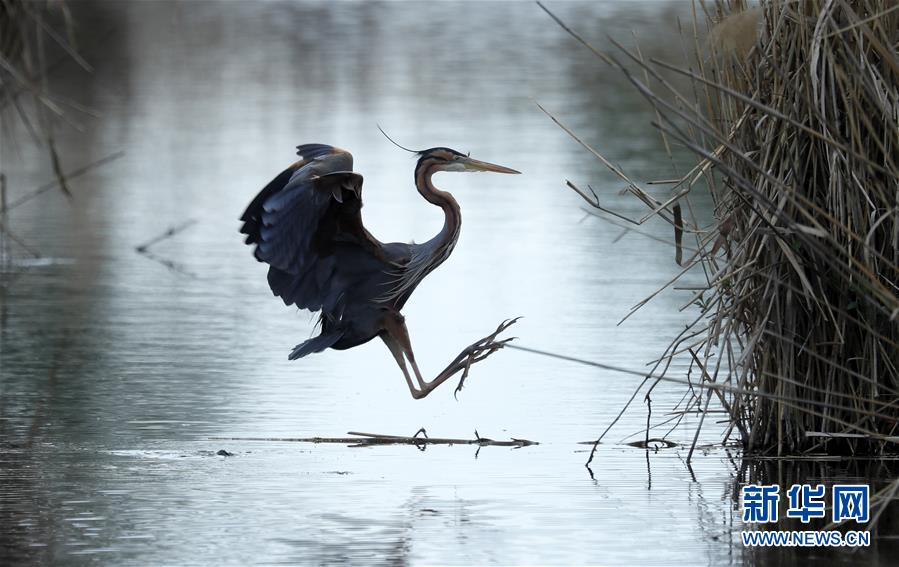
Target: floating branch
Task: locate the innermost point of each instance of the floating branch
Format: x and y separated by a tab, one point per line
420	439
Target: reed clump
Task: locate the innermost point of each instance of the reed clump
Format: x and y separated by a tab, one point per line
794	117
806	245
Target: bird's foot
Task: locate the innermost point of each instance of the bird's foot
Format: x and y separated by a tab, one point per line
481	349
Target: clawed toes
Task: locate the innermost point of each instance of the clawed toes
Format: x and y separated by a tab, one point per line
508	323
502	327
481	350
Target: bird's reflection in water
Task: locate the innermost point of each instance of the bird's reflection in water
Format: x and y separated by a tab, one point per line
464	524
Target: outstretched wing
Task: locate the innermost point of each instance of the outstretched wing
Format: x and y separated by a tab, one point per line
305	223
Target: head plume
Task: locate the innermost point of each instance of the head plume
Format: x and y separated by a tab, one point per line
396	144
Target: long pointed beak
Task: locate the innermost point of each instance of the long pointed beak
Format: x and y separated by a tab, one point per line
478	165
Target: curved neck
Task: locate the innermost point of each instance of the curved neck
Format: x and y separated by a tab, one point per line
442	244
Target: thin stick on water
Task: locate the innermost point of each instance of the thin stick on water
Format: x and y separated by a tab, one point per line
144	249
367	439
165	235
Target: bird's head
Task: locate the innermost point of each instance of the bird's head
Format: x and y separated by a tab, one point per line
445	159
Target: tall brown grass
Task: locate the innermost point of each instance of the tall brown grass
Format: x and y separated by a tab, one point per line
793	115
806	247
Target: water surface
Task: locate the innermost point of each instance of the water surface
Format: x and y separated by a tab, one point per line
120	372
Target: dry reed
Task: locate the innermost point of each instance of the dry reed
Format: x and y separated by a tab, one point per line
794	115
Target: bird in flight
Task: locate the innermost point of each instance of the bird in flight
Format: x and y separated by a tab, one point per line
307	226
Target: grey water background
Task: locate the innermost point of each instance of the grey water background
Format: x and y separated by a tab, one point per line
118	373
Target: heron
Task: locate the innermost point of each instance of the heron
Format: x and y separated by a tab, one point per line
306	224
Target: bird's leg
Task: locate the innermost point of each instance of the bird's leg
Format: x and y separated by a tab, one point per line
397	351
397	336
395	325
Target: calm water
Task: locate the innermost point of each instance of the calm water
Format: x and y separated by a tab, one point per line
118	372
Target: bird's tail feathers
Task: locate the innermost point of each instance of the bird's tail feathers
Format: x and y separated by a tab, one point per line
315	344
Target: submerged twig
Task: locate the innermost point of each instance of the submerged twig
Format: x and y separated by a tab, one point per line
168	233
144	249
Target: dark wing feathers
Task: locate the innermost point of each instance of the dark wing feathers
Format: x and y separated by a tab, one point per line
309	152
315	344
298	220
251	217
